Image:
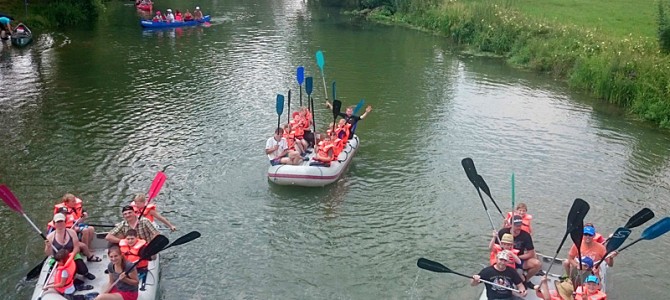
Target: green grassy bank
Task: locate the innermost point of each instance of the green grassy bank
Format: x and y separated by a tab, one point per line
53	13
609	49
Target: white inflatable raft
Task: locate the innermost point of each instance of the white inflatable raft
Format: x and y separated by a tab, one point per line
306	175
99	246
558	266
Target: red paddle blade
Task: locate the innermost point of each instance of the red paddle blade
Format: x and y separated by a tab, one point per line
156	185
9	199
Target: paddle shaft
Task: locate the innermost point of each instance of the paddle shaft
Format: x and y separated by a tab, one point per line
311	101
52	271
487	282
288	115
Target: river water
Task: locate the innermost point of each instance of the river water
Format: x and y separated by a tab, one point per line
98	111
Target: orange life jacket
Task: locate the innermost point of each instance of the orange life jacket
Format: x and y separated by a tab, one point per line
599	295
338	146
147	211
289	140
525	226
324	147
497	248
73	214
71	268
132	254
307	121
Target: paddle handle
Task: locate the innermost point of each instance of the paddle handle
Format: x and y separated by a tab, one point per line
51	273
488	214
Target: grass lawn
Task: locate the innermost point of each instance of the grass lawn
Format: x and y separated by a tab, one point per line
616	17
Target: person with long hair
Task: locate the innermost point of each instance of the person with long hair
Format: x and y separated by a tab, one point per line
127	287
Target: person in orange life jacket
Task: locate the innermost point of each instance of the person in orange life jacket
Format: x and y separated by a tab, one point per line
72	208
177	16
309	135
127	287
140	201
499	273
277	150
63	280
130	248
524	243
506	243
588	248
592	291
158	17
520	210
65	238
298	132
349	116
145	229
598	238
325	152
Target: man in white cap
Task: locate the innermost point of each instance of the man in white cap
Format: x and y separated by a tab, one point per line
169	16
197	14
500	274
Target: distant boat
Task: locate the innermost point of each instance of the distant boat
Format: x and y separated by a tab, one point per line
152	24
21	35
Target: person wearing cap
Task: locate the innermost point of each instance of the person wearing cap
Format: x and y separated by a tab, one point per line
524	243
590	248
506	243
592	291
66	238
5	27
499	273
75	214
145	230
169	16
197	14
598	238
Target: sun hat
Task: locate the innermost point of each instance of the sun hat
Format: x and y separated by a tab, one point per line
59	217
507	238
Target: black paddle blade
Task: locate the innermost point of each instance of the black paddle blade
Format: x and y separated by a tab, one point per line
485	187
577	234
337	106
577	213
470	171
619	236
640	218
433	266
35	271
185	239
155	246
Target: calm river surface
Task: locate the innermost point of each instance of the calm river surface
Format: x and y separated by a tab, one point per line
98	111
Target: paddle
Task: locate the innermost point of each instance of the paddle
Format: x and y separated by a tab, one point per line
334	93
471	172
184	239
619	236
35	271
487	191
155	187
337	105
320	61
309	81
359	106
576	236
657	229
288	115
151	249
102	225
513	196
280	107
575	223
434	266
638	219
300	77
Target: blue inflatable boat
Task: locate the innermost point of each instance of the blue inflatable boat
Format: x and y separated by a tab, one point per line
151	24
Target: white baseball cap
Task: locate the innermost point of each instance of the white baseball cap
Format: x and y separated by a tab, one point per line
197	7
169	10
59	217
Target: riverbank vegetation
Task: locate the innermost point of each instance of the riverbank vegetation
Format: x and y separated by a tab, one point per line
54	13
616	50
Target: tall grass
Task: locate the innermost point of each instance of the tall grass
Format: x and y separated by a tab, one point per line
630	71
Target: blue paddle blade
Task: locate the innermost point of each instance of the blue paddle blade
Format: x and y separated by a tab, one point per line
319	60
309	81
280	104
300	75
359	106
659	228
334	93
619	236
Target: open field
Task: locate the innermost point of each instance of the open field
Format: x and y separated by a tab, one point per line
617	17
